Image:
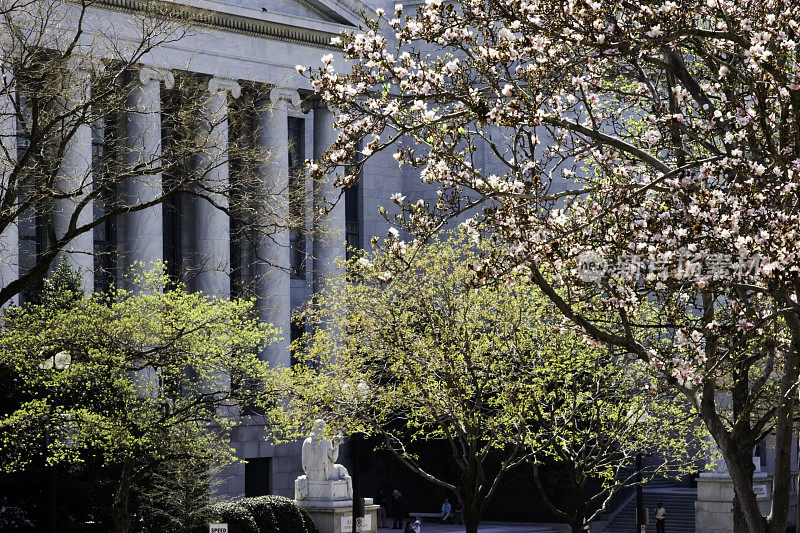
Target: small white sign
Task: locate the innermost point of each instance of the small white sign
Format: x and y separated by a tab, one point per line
218	528
761	492
362	524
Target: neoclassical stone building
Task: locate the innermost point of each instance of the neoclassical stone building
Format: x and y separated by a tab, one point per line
240	56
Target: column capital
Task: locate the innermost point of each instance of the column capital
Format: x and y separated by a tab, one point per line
219	85
315	103
284	94
148	74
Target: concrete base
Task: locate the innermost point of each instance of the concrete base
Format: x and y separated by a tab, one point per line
339	520
713	508
322	494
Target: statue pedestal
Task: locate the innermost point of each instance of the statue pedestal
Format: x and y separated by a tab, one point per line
712	510
332	494
340	519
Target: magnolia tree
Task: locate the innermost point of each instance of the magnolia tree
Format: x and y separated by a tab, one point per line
627	151
487	372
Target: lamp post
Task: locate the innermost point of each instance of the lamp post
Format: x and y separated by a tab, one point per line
60	361
640	520
357	395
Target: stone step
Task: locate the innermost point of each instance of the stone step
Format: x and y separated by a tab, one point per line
678	502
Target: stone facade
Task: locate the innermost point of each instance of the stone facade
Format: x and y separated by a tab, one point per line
237	45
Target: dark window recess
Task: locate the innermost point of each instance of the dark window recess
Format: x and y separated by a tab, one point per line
257	476
296	332
105	234
174	207
297	197
352	212
32	235
244	235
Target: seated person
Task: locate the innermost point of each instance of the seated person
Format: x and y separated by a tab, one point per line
447	510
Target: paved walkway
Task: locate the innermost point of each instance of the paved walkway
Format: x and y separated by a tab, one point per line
488	527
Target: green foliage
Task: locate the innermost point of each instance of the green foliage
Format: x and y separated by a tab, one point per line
287	514
174	496
308	522
430	355
140	381
264	514
236	515
62	290
262	510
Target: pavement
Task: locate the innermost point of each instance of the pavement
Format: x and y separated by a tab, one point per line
487	527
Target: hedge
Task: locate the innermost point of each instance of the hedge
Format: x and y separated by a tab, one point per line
264	514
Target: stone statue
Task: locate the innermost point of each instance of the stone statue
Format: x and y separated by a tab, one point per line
319	456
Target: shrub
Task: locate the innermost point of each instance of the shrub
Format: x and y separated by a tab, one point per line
237	516
310	526
264	514
261	509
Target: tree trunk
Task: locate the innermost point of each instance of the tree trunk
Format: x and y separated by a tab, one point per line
119	509
784	431
738	456
742	477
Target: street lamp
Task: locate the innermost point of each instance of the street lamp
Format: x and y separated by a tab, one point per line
357	395
60	361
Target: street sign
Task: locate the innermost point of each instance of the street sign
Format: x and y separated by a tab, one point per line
218	528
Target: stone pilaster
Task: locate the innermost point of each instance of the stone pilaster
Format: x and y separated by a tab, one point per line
272	281
211	223
9	238
74	178
144	239
329	230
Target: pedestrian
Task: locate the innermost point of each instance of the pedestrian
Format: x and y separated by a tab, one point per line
409	527
399	504
380	501
416	528
661	515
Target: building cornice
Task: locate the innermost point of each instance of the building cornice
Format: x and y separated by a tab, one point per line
228	22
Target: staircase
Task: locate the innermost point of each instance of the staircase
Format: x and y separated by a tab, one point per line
678	502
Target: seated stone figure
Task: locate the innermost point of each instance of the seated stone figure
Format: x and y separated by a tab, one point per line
319	456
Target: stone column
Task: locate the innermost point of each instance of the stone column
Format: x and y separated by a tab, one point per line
329	230
212	251
9	238
144	239
272	280
74	178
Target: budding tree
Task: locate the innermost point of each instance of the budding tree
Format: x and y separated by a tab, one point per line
487	372
658	142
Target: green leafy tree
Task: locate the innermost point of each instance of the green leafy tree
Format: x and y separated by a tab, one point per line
136	380
411	352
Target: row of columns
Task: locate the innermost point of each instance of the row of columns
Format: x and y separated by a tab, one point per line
143	234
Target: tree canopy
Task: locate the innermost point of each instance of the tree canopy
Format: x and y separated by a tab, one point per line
490	372
136	380
655	142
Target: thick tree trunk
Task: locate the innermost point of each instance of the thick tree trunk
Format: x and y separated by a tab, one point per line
784	431
738	456
742	477
119	509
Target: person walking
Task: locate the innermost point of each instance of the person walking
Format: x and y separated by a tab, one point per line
380	501
400	512
661	515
